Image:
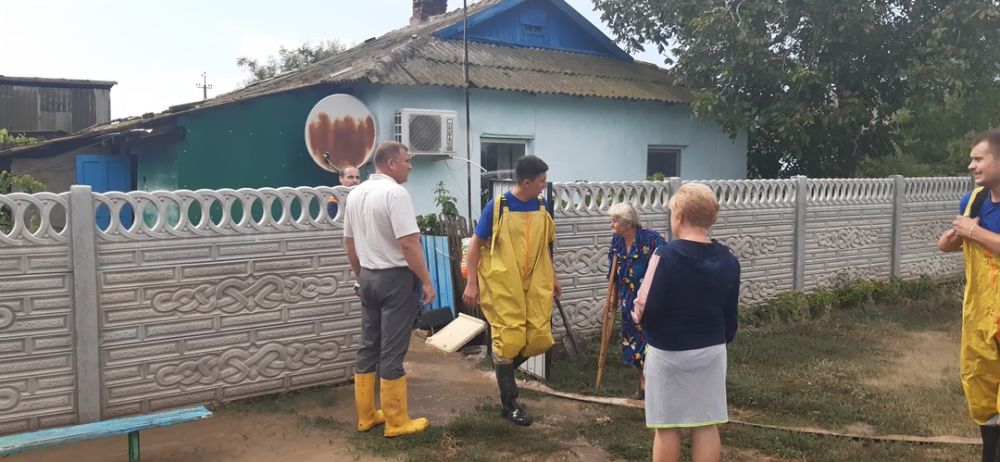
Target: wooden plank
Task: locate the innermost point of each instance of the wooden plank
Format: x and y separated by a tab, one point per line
456	334
13	444
438	259
427	243
446	294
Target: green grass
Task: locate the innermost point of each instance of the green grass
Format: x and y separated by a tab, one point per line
807	360
478	435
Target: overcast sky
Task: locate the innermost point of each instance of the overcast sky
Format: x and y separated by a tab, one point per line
156	51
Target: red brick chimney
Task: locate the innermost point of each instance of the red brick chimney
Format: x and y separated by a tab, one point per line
424	9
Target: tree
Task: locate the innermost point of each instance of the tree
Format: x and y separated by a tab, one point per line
18	183
819	86
288	60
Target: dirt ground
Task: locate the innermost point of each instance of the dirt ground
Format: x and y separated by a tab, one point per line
924	358
442	385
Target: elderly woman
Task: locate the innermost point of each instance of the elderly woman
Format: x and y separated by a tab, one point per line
687	308
631	247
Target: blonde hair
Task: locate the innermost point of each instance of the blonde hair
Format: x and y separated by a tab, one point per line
625	214
697	203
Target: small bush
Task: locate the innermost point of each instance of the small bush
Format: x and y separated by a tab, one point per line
888	292
790	307
855	293
921	288
821	302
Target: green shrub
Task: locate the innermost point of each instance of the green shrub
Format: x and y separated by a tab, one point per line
888	292
855	293
918	289
790	307
821	302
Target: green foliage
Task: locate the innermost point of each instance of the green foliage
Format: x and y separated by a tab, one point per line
443	199
855	293
19	183
8	140
429	225
820	86
288	60
434	224
656	176
795	306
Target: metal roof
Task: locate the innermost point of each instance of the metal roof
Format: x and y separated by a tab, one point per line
413	56
63	83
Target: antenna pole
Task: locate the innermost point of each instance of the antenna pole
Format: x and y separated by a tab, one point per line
468	118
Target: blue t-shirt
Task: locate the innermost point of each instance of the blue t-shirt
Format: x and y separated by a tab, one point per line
989	215
484	229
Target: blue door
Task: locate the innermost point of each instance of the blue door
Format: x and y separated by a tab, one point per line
105	173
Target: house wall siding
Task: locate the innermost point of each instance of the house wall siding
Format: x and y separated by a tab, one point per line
261	143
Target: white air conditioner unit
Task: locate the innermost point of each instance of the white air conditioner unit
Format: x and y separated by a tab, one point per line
426	131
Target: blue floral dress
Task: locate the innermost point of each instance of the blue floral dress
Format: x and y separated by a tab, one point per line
632	263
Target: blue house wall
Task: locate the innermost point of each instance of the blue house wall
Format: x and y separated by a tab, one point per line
542	24
580	138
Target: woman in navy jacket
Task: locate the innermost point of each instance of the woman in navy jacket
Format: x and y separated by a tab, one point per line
687	306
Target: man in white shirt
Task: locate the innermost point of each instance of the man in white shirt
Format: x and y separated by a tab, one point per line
383	245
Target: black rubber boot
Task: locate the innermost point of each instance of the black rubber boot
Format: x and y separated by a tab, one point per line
991	435
510	410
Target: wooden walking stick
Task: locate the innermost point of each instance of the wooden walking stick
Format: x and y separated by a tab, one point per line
610	310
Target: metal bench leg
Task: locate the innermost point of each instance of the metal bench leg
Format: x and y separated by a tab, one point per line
133	447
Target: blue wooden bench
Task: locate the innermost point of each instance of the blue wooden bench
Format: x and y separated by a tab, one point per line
14	444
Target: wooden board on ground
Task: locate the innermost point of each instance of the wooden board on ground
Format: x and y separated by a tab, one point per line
457	333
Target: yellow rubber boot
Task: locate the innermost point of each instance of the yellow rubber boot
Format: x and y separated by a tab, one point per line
364	401
397	417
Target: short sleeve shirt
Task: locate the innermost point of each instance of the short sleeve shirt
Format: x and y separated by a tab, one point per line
376	214
989	215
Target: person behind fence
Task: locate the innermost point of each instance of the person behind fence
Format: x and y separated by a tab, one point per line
976	232
383	245
349	176
687	306
512	278
631	247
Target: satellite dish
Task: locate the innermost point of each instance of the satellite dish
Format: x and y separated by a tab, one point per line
340	133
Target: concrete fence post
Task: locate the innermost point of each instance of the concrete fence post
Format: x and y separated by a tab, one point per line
83	249
898	193
675	184
801	199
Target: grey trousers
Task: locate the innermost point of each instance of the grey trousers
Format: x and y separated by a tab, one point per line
389	309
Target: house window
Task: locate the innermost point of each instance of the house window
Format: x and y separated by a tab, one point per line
533	29
498	157
665	160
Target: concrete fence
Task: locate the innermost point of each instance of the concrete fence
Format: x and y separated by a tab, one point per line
795	234
189	297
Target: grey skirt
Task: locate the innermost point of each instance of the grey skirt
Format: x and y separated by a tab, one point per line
686	388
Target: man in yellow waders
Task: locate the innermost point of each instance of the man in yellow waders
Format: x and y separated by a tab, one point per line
511	276
976	232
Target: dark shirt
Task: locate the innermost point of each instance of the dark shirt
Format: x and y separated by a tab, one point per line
693	297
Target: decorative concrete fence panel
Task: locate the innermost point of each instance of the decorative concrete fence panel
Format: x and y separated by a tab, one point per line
37	360
207	296
796	234
928	207
190	297
848	231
